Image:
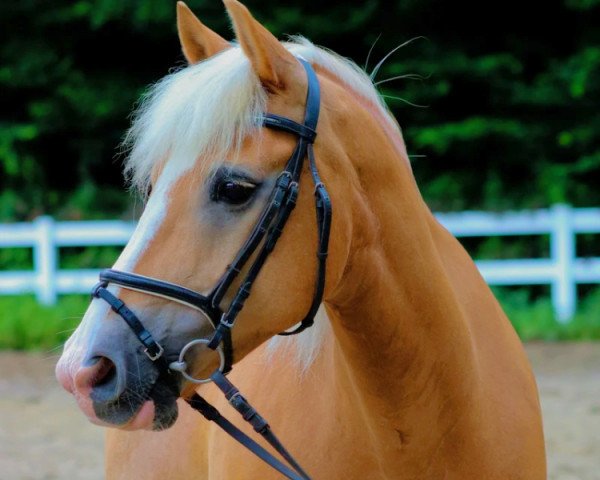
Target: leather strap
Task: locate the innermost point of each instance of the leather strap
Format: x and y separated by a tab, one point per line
162	289
278	211
152	348
282	123
324	213
265	235
256	236
212	414
158	287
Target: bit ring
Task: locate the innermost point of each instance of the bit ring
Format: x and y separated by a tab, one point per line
181	365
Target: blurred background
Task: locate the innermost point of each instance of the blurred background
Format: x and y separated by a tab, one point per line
498	102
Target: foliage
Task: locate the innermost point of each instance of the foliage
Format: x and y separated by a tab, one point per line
534	319
511	115
26	325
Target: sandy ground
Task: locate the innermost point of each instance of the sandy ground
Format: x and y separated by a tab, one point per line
43	435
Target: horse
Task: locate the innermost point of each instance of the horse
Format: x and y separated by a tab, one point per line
411	369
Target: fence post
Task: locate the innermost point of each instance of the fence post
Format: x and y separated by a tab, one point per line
45	260
562	246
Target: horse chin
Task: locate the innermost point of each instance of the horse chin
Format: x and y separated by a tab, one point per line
164	395
150	406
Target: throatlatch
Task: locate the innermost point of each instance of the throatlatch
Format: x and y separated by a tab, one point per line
264	237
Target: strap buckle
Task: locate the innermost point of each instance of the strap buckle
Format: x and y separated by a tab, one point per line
157	355
225	323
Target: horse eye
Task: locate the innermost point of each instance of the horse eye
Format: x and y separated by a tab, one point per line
234	192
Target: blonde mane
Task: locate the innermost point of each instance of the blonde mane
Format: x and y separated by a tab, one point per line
207	109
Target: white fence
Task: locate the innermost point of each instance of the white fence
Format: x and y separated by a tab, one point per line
563	270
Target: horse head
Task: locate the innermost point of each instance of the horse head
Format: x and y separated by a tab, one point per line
208	167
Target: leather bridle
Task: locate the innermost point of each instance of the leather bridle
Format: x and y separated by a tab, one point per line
260	243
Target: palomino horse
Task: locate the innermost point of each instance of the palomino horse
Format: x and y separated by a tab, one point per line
411	369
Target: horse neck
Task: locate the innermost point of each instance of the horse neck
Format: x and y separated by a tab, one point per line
402	342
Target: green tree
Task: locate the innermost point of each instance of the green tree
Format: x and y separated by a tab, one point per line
511	93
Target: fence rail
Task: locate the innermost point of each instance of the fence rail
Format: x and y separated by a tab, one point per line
562	270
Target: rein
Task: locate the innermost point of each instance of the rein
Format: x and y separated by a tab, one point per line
265	235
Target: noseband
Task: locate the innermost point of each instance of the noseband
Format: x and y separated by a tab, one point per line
262	241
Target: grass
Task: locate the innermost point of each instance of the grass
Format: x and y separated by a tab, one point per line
26	325
534	319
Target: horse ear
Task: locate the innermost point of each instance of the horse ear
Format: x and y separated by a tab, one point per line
273	64
198	42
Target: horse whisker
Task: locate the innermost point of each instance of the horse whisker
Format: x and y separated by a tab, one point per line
378	66
370	51
405	101
410	76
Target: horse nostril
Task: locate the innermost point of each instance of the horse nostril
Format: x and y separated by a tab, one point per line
106	372
100	377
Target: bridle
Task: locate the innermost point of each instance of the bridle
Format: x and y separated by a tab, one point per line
260	243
